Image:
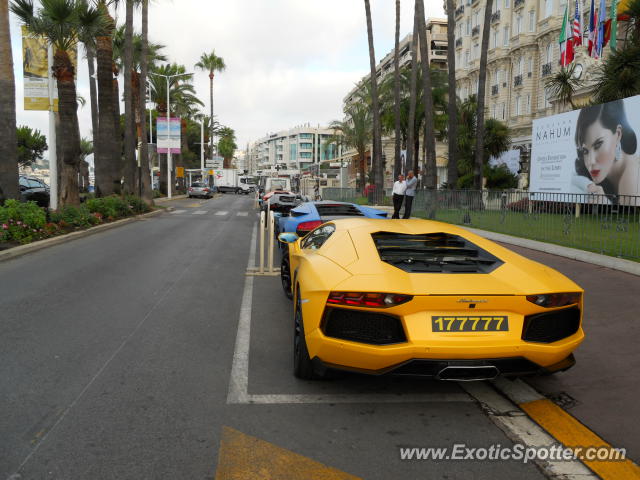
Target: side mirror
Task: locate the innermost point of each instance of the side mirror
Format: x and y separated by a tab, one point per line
288	237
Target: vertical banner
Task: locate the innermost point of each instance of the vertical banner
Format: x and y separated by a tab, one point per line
168	136
36	71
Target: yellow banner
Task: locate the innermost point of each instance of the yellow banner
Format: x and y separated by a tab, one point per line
179	172
35	66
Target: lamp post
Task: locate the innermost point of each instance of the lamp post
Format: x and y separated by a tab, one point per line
169	163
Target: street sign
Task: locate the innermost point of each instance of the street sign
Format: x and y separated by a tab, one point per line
215	163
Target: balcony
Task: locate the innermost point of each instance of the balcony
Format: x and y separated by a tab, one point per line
475	31
518	3
494	90
517	81
546	69
459	11
495	16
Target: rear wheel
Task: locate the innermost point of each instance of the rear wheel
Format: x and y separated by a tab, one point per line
302	366
285	274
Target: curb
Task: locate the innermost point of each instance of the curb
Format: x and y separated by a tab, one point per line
50	242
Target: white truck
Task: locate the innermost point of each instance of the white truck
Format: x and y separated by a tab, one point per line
230	180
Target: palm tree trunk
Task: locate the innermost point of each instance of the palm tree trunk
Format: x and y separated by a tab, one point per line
147	193
452	167
93	92
482	81
117	165
413	96
69	133
211	105
396	93
427	98
377	166
362	160
130	167
8	141
106	153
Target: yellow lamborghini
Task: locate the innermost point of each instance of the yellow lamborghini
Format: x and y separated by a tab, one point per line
418	297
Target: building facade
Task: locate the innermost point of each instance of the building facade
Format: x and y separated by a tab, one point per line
524	52
293	150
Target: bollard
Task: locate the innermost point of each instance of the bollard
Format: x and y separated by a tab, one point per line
271	234
261	268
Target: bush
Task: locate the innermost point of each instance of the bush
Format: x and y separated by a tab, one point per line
78	217
137	205
109	207
21	222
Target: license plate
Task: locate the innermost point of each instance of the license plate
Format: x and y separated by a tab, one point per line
481	323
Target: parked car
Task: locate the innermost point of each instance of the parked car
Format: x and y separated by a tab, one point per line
307	216
199	189
34	190
418	297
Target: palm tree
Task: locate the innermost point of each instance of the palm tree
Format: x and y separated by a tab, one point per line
8	141
147	193
452	167
378	167
413	136
227	145
130	169
57	21
356	133
107	145
562	85
211	63
482	85
396	94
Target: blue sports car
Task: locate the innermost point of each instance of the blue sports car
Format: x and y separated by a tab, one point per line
307	216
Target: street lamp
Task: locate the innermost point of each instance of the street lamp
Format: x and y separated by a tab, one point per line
169	164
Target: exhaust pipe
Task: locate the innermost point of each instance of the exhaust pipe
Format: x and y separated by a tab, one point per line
468	373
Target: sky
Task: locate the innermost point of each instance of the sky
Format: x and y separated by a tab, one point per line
289	62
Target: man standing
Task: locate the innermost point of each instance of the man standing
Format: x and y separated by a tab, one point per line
398	195
410	192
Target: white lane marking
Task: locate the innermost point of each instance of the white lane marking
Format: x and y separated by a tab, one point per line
239	379
200	212
520	428
222	212
242	214
178	211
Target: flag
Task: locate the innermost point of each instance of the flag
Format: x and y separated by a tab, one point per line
593	19
566	40
614	25
602	18
577	26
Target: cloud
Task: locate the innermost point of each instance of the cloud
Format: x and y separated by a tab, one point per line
288	61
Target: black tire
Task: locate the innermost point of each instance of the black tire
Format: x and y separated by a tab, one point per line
285	274
302	366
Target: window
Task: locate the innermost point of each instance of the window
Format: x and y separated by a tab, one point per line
503	111
316	238
495	38
466	58
306	145
528	103
532	21
548	8
499	77
476	22
518	24
493	110
305	154
520	65
549	53
476	50
517	106
306	135
506	3
505	39
530	64
468	31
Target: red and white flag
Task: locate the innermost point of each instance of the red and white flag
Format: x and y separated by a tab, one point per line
577	26
566	40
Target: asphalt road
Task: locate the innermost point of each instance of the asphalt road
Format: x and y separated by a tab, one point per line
116	355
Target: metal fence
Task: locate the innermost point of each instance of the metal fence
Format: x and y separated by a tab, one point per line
599	223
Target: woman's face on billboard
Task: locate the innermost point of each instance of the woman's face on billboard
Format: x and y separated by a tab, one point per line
599	150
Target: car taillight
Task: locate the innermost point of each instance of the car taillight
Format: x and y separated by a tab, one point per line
206	190
190	189
305	227
553	300
362	299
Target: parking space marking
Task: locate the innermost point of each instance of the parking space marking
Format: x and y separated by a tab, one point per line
200	212
242	214
177	211
222	212
239	379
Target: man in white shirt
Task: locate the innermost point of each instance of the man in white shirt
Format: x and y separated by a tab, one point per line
399	188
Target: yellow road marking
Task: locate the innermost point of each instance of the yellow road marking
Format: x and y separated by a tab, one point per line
566	429
193	205
244	457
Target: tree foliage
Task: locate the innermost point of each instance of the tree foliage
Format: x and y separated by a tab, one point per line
31	145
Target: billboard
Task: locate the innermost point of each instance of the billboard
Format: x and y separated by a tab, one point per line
35	66
593	150
168	138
